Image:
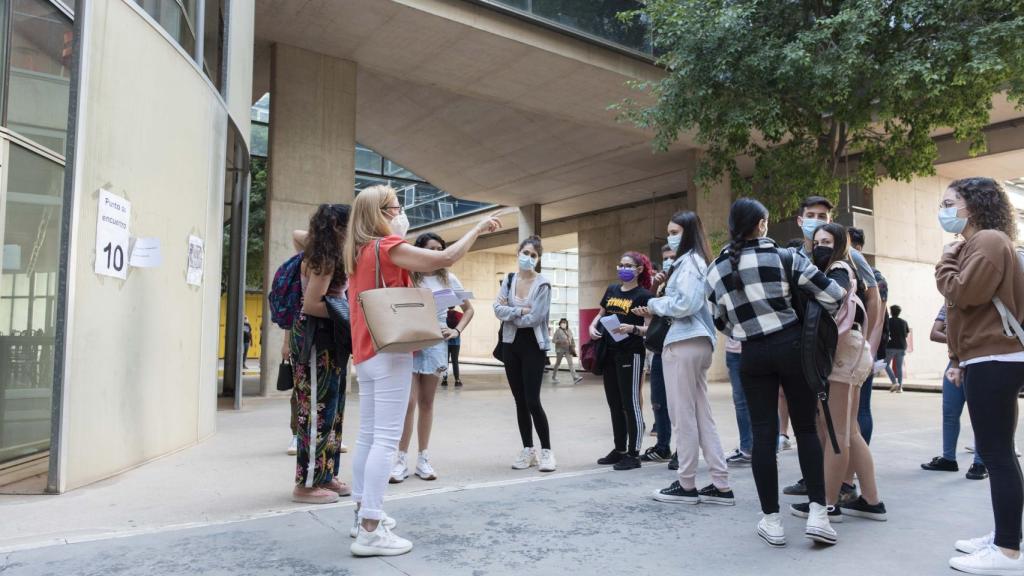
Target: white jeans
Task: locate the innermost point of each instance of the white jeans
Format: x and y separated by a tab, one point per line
384	383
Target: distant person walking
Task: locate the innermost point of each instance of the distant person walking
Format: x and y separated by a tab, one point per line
246	341
565	347
896	348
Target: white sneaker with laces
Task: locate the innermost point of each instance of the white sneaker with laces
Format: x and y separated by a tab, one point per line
990	561
974	544
527	458
293	447
819	528
423	468
400	471
771	531
547	461
380	542
386	520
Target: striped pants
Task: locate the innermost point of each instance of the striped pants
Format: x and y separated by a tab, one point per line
623	374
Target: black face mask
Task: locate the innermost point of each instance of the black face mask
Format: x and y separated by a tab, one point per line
822	255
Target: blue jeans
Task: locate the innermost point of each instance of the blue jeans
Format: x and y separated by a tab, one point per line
659	403
864	419
897	355
739	400
953	400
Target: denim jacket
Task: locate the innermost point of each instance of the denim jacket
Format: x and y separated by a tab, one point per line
685	303
540	303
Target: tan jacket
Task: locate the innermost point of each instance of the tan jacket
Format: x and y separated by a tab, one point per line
981	268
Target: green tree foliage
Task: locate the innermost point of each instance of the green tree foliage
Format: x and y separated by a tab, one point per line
254	276
799	85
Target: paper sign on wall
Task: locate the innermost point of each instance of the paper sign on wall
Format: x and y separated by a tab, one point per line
146	253
194	275
113	231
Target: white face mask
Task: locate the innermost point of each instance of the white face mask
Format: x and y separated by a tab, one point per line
400	225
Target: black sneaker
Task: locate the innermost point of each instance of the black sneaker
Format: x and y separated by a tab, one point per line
847	494
613	457
444	382
458	383
738	458
860	508
941	464
977	472
673	464
654	455
798	489
803	510
712	495
675	494
628	462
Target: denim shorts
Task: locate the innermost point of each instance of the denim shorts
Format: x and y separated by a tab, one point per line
432	361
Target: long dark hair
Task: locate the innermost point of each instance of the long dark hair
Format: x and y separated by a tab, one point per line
326	241
421	242
988	204
841	251
744	216
533	241
693	234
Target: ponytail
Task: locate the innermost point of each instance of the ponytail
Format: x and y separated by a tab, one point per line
744	216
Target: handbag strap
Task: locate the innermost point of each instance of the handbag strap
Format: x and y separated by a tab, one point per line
1011	326
378	277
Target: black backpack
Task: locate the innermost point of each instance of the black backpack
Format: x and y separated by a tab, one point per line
818	340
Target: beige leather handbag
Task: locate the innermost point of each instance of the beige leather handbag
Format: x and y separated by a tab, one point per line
399	319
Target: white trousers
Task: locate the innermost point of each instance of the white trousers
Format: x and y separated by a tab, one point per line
384	383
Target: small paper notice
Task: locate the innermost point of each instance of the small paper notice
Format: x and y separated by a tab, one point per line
194	275
146	253
610	323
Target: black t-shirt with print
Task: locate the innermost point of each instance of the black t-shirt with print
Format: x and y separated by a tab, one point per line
620	303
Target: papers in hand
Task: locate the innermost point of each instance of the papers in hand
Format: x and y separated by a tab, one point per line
610	324
448	298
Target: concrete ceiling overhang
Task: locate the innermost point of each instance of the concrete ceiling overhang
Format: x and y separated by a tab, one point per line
483	105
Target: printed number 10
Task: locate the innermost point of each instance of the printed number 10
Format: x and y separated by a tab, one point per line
115	256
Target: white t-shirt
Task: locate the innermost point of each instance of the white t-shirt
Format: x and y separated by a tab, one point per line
433	283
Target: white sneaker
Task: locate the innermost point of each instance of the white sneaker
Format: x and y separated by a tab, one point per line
293	448
990	561
423	468
819	528
400	471
771	531
974	544
380	542
342	448
547	461
527	458
386	520
784	443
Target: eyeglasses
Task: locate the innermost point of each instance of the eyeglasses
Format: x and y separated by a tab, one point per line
399	208
626	267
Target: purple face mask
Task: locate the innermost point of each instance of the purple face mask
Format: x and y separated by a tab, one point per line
627	274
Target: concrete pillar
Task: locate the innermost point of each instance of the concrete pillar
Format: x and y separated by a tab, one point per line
529	221
312	158
712	204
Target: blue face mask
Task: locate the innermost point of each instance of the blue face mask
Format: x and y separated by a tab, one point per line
674	241
810	225
666	265
526	262
950	222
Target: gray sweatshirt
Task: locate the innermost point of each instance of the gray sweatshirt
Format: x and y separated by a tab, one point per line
539	301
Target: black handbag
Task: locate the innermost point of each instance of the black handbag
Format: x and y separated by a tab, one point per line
498	350
285	376
658	329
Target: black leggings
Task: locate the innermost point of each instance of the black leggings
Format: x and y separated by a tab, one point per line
453	357
623	372
766	364
992	402
524	368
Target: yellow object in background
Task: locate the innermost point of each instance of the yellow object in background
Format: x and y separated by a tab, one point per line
254	310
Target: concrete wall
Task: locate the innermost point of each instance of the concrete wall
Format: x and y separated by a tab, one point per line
141	373
238	93
478	272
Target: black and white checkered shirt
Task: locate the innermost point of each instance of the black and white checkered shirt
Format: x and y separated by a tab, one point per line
763	305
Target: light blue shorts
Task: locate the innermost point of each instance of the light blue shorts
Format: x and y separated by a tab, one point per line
432	361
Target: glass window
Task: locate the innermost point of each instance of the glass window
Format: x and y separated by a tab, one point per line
393	169
214	25
595	17
259	139
368	161
177	17
37	96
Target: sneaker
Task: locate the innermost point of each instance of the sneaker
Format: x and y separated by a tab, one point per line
712	495
577	379
386	520
293	447
458	383
314	495
423	468
803	510
400	471
673	464
988	560
676	494
380	542
941	464
770	530
847	494
894	388
654	455
526	458
628	462
975	544
977	472
613	457
554	380
547	461
738	458
342	448
860	508
798	489
784	443
444	382
818	527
